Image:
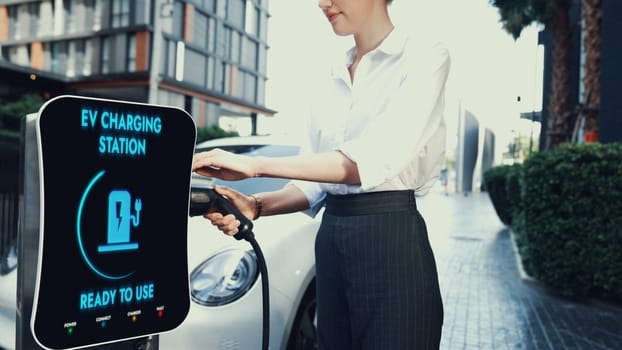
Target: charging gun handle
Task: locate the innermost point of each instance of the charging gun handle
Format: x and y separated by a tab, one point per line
203	199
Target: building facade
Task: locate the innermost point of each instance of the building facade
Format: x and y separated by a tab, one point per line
208	57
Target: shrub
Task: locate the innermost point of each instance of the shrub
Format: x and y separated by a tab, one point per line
12	112
572	205
495	179
513	192
213	132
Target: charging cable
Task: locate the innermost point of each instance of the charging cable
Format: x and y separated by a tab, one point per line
203	199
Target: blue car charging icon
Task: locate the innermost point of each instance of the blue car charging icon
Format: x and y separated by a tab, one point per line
119	220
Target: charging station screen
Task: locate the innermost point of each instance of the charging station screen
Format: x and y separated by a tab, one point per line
115	194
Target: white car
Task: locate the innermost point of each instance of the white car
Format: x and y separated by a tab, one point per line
225	280
226	308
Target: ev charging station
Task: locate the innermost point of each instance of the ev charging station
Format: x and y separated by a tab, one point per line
103	222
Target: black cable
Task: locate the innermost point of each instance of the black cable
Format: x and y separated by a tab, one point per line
264	291
201	200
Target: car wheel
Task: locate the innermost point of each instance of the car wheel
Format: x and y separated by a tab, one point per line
304	331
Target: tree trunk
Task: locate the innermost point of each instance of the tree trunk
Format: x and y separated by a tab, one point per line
592	16
560	118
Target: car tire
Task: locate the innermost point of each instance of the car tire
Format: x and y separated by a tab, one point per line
303	335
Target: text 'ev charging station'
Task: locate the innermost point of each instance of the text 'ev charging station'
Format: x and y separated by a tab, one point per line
114	196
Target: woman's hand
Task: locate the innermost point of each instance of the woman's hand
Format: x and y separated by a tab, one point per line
224	165
228	224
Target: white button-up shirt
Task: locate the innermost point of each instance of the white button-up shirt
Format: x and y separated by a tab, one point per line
389	120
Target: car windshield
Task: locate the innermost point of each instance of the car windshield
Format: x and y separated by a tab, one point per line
252	185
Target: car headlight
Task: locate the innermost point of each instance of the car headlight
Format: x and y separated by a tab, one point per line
224	277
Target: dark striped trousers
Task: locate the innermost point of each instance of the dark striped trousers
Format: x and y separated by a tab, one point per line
377	283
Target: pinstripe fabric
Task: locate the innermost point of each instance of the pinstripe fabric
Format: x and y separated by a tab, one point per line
377	284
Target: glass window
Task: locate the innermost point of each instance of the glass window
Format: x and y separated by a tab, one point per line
210	5
88	57
13	23
131	52
79	10
211	35
212	112
221	8
171	98
263	27
33	19
195	111
71	59
79	57
195	66
250	87
235	12
252	19
178	19
227	78
171	54
262	59
97	13
70	16
249	54
210	73
59	57
261	91
234	54
120	13
105	60
219	76
223	37
239	91
199	30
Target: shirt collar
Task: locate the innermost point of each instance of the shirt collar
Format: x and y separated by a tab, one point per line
393	44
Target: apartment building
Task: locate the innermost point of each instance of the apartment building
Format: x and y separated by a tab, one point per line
205	56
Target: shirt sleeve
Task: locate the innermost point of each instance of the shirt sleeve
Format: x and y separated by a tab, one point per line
406	129
312	190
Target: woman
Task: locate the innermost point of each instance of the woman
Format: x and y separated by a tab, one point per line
376	139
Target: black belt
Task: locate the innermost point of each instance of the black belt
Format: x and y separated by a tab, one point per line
370	203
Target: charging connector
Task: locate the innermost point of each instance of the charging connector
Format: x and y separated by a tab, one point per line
203	199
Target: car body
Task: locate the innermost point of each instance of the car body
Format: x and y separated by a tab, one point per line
225	283
287	243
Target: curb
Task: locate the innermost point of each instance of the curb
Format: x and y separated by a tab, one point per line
525	277
519	264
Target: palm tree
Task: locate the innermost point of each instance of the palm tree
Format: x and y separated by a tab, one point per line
554	15
592	14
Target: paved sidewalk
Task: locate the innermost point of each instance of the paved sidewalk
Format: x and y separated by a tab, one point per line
487	303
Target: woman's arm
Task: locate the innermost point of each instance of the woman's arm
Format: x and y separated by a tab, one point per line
332	166
286	200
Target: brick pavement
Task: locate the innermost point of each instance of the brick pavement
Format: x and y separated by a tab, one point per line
488	303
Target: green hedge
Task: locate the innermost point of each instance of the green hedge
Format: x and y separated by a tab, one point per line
213	132
513	192
565	208
572	201
494	179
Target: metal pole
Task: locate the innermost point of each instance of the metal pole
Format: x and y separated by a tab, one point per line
156	51
533	116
